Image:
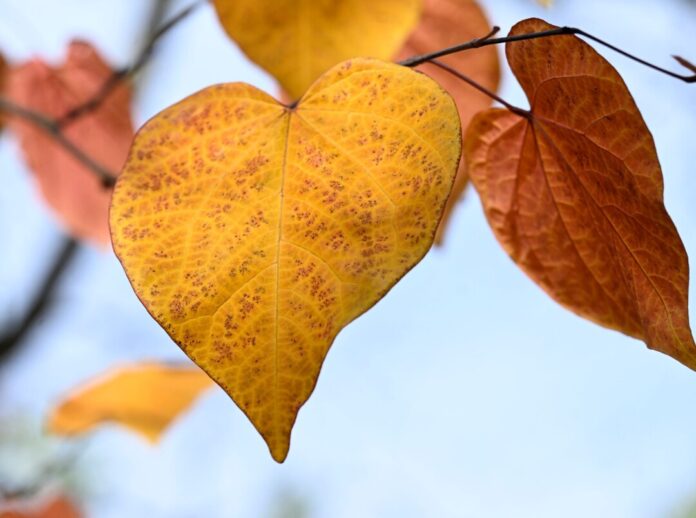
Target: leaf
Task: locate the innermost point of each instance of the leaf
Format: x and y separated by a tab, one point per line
57	506
3	81
574	194
144	397
74	192
445	23
297	41
253	232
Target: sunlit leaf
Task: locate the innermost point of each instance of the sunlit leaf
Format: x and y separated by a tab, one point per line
297	41
144	397
574	194
254	232
445	23
74	192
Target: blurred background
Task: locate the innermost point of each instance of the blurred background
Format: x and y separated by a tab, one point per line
466	392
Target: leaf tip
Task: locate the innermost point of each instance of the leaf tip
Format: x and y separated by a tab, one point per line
279	452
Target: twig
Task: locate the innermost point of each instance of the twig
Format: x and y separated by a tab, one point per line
119	75
50	126
10	338
68	250
560	31
515	109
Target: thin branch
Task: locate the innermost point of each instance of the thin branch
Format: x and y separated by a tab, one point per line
42	298
9	340
560	31
50	126
119	75
515	109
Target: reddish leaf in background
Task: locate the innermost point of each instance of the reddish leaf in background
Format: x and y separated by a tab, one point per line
445	23
105	134
56	507
573	193
3	75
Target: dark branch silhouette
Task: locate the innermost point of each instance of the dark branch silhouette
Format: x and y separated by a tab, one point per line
560	31
15	332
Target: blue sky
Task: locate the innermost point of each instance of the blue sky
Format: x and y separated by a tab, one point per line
466	392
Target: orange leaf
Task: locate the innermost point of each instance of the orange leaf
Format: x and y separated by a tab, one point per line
55	507
144	397
254	232
73	191
445	23
3	81
574	194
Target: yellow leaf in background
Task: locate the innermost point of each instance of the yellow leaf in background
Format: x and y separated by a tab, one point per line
298	41
144	397
545	3
254	232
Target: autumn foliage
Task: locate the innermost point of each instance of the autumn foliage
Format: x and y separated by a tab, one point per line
256	290
573	192
52	507
254	230
144	397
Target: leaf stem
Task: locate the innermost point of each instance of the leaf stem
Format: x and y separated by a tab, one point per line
515	109
560	31
42	299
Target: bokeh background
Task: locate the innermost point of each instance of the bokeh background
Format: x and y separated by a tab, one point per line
466	392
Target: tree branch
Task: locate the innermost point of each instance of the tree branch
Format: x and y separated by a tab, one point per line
560	31
50	126
9	339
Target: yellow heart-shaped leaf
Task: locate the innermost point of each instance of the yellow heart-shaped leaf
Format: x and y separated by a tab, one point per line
298	41
254	232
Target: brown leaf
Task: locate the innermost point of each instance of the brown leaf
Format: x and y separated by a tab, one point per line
445	23
73	191
574	194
